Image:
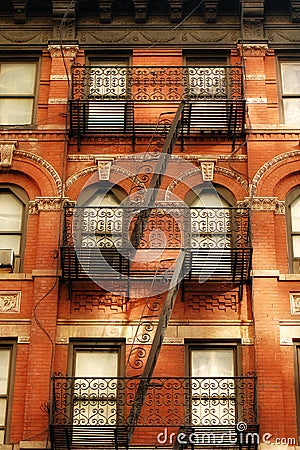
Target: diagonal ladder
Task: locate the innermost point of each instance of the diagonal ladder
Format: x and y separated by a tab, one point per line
138	231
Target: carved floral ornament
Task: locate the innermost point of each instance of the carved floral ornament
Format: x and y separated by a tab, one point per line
252	49
10	301
46	204
69	51
6	153
264	204
295	302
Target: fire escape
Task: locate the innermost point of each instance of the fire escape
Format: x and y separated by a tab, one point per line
106	413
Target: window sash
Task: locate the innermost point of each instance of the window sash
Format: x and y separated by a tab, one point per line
17	92
5	374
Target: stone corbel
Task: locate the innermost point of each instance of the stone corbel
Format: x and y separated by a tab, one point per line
104	7
210	10
141	10
253	19
6	153
63	11
176	10
104	164
20	9
295	10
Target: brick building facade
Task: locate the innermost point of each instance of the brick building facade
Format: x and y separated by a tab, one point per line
149	232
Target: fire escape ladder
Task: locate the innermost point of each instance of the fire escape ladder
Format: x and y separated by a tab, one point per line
136	236
155	183
156	345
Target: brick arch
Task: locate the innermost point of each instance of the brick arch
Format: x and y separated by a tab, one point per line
237	185
119	176
23	181
39	170
288	182
268	180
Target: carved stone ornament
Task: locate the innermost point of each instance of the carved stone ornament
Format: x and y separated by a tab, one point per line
175	7
6	153
211	10
264	204
46	204
141	10
20	9
253	9
69	51
207	168
104	165
104	7
10	301
295	303
253	49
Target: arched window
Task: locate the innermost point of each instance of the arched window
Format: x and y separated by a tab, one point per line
293	229
101	218
211	218
13	202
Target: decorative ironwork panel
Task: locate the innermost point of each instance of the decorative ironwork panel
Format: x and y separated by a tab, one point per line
197	402
166	227
157	83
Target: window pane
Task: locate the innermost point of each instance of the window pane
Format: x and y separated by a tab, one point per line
17	78
3	402
11	211
290	78
16	111
10	241
295	214
96	363
296	246
213	363
4	369
1	436
291	111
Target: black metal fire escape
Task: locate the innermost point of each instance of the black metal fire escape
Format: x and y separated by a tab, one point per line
190	263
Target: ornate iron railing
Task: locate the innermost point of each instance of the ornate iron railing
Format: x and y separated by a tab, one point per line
166	227
164	83
112	99
173	402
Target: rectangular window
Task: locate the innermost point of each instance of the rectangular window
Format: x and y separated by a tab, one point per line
17	92
6	356
297	383
208	92
107	89
290	88
213	393
95	390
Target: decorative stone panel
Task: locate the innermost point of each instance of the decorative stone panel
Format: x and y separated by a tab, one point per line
10	301
264	204
295	303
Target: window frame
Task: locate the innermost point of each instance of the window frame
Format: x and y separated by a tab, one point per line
22	196
12	346
296	345
281	60
193	344
290	198
36	59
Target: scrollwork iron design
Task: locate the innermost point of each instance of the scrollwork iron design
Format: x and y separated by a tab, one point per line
199	402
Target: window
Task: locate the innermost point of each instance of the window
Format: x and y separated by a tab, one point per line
293	229
107	95
95	392
6	359
13	202
297	382
290	76
213	395
208	92
101	219
17	92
